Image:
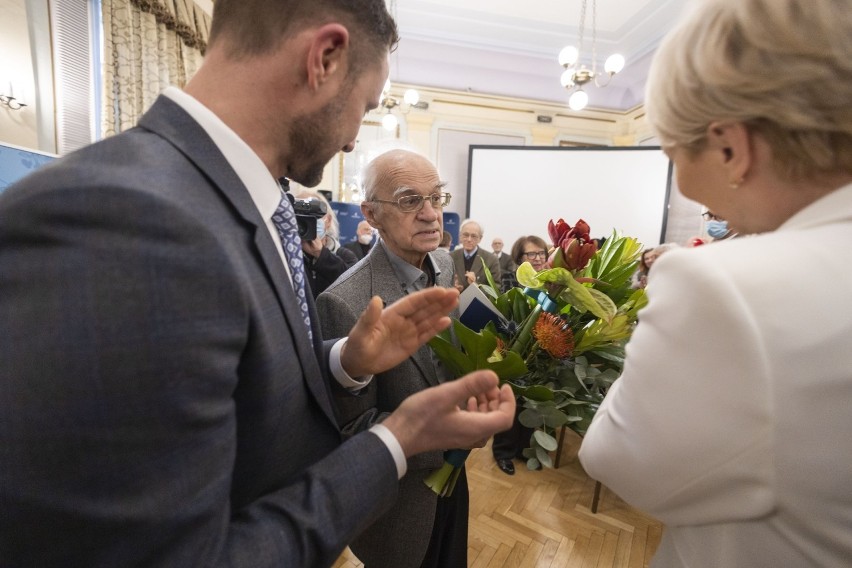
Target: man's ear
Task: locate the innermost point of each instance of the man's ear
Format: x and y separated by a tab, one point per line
367	212
732	142
327	54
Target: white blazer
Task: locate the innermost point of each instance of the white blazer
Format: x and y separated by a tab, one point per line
732	422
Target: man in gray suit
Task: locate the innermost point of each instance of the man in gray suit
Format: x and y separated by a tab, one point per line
470	258
404	201
164	397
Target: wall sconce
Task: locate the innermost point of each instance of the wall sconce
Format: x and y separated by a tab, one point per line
10	101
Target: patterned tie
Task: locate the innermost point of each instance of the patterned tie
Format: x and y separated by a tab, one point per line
284	219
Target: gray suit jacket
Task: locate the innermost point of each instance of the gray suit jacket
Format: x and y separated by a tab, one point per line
161	404
481	256
400	538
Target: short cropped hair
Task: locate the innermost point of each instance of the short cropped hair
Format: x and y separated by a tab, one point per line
256	27
380	171
474	222
781	67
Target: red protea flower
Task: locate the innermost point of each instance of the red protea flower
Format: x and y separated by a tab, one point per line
554	335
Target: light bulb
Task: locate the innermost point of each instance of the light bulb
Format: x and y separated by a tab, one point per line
614	63
389	121
568	56
567	78
578	100
411	97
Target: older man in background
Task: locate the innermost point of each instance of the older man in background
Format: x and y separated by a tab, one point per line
470	259
404	202
364	242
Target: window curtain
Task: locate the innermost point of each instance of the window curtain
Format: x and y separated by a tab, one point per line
148	45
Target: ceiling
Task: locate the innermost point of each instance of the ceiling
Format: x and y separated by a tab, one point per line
510	47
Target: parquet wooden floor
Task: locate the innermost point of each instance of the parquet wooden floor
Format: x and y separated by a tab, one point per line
538	519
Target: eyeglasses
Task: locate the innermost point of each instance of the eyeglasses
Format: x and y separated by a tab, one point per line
473	236
710	216
410	203
532	255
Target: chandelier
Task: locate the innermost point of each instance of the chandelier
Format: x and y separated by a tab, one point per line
576	74
388	101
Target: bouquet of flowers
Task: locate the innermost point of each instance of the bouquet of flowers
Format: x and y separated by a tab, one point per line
560	341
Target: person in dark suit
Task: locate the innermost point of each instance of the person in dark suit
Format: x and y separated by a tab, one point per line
164	400
470	258
506	263
365	240
404	201
504	259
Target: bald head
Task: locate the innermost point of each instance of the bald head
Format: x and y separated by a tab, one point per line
384	173
409	233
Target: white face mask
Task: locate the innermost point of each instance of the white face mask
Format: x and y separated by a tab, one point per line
365	239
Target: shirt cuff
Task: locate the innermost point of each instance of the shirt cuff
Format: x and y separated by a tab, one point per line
339	374
392	444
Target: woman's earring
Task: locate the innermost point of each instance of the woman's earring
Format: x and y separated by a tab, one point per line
735	184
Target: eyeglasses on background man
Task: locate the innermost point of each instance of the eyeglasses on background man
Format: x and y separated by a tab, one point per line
411	203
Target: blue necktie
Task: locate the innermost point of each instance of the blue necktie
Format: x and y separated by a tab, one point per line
284	220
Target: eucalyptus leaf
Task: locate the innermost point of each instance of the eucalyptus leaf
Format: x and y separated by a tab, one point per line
531	418
545	440
543	457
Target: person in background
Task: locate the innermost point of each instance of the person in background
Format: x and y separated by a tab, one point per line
364	241
716	227
646	260
730	423
510	445
325	259
446	241
503	259
404	201
166	392
530	249
470	258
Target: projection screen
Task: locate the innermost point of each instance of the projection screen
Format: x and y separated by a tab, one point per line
515	190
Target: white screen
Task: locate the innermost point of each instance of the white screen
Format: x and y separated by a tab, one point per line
515	191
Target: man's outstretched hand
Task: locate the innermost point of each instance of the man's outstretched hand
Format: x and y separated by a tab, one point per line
455	414
383	338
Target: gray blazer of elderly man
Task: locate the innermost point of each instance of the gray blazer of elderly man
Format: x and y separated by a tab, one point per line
404	202
400	537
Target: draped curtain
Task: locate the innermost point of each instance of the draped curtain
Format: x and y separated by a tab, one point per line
148	45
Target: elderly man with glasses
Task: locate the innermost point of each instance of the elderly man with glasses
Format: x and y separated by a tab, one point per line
470	259
404	202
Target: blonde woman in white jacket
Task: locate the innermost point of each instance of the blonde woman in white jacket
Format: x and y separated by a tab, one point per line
731	422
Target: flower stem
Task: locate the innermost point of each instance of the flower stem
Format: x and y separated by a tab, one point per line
523	338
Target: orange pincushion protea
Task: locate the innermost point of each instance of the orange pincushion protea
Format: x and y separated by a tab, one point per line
554	336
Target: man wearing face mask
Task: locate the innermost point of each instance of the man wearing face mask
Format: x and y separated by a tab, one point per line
365	240
717	227
325	259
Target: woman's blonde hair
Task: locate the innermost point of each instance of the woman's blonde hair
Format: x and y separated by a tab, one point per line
782	67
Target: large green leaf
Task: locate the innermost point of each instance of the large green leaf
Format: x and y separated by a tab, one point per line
475	352
589	299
